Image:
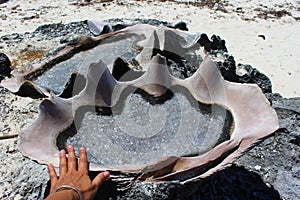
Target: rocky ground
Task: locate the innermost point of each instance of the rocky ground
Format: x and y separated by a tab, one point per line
268	171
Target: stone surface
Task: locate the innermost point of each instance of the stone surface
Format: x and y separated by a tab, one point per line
143	133
20	178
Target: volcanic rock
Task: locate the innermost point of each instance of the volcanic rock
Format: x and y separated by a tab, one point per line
5	66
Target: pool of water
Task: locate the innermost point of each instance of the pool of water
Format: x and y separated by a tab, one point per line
111	48
142	132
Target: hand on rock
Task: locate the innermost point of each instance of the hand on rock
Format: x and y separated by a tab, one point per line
75	175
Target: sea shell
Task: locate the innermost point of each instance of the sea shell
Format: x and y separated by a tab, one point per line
253	117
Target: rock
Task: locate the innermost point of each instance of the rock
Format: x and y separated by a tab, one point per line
49	31
254	76
3	1
278	155
21	178
5	66
239	10
13	38
181	26
229	71
215	44
3	16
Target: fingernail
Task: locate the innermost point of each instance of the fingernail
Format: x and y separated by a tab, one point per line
82	148
70	146
62	152
106	174
50	166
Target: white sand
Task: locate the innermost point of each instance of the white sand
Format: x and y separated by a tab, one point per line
278	56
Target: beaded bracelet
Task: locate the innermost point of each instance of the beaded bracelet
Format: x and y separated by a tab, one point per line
69	187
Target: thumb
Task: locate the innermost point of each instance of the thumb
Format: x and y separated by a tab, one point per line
100	178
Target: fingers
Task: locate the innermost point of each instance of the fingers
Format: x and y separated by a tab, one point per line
83	161
100	178
71	158
63	168
52	174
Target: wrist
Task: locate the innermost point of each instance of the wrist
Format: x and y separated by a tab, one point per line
65	194
70	192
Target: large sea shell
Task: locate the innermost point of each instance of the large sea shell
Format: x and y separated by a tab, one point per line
253	117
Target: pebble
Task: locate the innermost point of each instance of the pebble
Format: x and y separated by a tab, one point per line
3	16
15	7
257	167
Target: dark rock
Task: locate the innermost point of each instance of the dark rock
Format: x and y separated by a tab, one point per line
215	44
204	42
273	96
13	38
295	140
181	26
3	1
229	72
218	43
118	27
74	86
123	22
228	69
29	90
3	16
127	22
106	29
254	76
181	68
262	36
49	31
5	66
64	40
122	72
239	10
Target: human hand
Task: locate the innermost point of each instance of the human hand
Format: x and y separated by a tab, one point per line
75	175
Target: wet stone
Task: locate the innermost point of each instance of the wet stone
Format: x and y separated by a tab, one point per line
107	51
143	133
